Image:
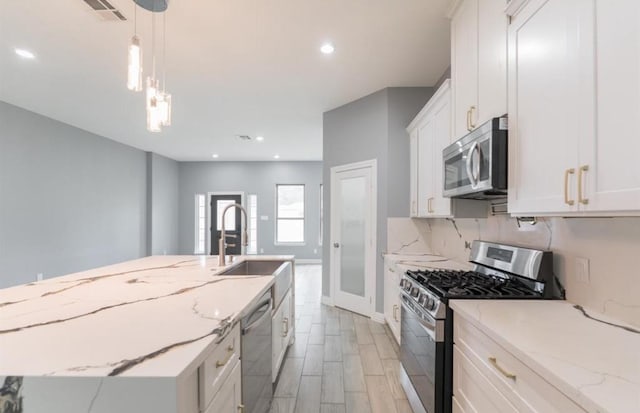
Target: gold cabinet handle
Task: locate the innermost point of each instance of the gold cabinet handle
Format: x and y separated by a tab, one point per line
241	408
285	323
395	308
494	362
391	270
469	120
226	360
568	172
584	201
473	125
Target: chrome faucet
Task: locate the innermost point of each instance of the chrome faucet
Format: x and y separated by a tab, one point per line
222	243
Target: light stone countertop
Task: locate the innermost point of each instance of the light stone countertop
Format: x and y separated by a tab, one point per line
595	364
156	315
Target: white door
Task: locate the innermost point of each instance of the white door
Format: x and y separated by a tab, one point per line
353	215
550	103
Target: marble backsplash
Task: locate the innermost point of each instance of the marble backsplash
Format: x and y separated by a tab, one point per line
612	246
407	236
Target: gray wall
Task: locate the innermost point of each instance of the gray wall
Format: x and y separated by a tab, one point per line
69	200
372	127
258	178
162	199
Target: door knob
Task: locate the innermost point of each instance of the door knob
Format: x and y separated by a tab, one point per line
336	245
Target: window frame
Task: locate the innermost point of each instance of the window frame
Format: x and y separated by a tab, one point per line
196	237
303	218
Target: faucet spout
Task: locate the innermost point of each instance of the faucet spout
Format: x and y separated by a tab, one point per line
222	243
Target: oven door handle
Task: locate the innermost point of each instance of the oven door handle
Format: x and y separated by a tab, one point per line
428	325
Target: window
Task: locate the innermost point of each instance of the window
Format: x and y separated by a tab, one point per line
201	224
253	225
321	214
289	214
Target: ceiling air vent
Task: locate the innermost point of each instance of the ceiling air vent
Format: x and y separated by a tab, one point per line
105	10
244	137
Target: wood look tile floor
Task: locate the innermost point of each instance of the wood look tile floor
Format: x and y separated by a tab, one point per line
340	362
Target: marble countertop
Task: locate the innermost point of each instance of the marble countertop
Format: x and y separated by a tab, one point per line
426	261
580	352
154	316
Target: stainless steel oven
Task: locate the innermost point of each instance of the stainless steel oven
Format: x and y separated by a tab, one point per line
475	166
422	354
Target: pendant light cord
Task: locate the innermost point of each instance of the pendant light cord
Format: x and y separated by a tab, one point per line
164	51
153	44
135	19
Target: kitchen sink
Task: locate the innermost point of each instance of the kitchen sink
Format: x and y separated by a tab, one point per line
281	270
254	267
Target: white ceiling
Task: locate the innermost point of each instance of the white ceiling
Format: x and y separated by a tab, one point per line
233	67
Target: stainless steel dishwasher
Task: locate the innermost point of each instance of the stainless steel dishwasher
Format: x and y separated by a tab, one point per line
257	390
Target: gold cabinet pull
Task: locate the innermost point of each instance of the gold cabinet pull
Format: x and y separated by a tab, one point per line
469	120
473	125
226	360
285	323
429	209
583	169
568	172
241	408
395	308
494	362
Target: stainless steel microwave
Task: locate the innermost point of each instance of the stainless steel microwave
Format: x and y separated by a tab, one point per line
475	166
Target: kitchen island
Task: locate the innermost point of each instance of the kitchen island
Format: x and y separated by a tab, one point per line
128	337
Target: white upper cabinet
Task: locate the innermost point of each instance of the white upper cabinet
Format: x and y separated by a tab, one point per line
431	129
612	181
573	80
478	63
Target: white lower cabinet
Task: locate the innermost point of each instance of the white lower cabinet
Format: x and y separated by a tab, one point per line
281	333
229	397
488	378
392	297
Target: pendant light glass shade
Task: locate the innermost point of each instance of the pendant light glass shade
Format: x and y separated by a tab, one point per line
154	119
164	107
134	73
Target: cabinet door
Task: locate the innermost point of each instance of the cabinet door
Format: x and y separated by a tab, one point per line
426	133
229	397
464	65
550	102
612	180
440	206
492	61
391	298
413	173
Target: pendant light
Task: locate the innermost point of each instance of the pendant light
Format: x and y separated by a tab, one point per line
134	72
158	101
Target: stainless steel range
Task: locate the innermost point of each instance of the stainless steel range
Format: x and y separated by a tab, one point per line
500	272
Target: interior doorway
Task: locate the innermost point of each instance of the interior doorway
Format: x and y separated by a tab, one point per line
233	222
353	236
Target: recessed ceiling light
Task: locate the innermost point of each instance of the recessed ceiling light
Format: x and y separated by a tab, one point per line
259	138
25	53
276	156
327	48
215	155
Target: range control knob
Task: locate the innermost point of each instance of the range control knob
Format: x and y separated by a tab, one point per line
402	282
422	299
415	292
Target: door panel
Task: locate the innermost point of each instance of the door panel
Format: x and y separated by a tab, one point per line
550	103
233	223
352	227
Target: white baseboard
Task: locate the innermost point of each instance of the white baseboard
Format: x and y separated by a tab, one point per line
379	317
308	261
326	300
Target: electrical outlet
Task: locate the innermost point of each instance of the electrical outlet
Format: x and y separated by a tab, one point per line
582	270
264	217
315	250
39	276
261	250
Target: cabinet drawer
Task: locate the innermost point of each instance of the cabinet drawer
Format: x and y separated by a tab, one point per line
473	391
228	398
217	366
523	387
